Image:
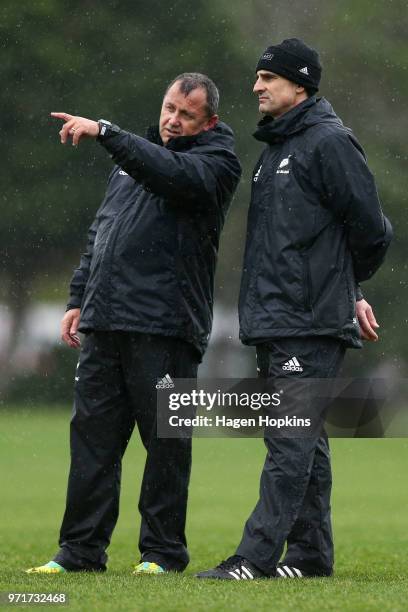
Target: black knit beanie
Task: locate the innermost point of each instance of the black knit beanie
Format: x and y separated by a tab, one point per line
295	61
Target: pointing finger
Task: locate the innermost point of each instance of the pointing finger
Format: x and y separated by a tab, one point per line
64	116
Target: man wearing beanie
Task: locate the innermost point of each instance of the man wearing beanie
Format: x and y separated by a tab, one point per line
315	231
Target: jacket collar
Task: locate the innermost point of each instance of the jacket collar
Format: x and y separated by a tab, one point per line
275	130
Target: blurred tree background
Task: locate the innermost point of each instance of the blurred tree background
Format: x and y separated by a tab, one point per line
113	59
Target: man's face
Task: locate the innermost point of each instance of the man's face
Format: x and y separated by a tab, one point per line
276	94
183	115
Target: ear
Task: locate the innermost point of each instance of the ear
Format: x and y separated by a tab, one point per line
211	123
300	89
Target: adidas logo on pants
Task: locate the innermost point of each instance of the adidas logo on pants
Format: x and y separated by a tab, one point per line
292	365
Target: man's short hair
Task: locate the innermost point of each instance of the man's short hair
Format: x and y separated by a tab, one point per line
193	80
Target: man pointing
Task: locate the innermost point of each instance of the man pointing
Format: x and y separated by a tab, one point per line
143	297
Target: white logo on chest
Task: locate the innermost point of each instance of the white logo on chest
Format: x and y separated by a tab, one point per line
283	166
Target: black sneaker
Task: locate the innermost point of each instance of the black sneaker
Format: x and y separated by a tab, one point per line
234	568
284	570
287	571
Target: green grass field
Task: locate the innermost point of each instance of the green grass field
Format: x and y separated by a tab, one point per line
370	510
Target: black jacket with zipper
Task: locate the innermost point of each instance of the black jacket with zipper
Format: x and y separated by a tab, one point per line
152	248
315	229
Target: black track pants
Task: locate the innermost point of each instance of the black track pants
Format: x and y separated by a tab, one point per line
295	488
116	388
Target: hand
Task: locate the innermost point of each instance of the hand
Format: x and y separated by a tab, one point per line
367	321
69	328
77	127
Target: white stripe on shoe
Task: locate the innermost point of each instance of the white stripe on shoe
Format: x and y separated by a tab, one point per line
235	575
284	571
242	573
248	573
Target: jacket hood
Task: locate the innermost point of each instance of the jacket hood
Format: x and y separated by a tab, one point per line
220	136
309	112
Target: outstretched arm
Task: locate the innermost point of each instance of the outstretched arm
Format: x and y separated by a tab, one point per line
198	177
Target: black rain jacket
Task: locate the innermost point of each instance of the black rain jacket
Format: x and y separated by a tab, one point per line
315	229
152	248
